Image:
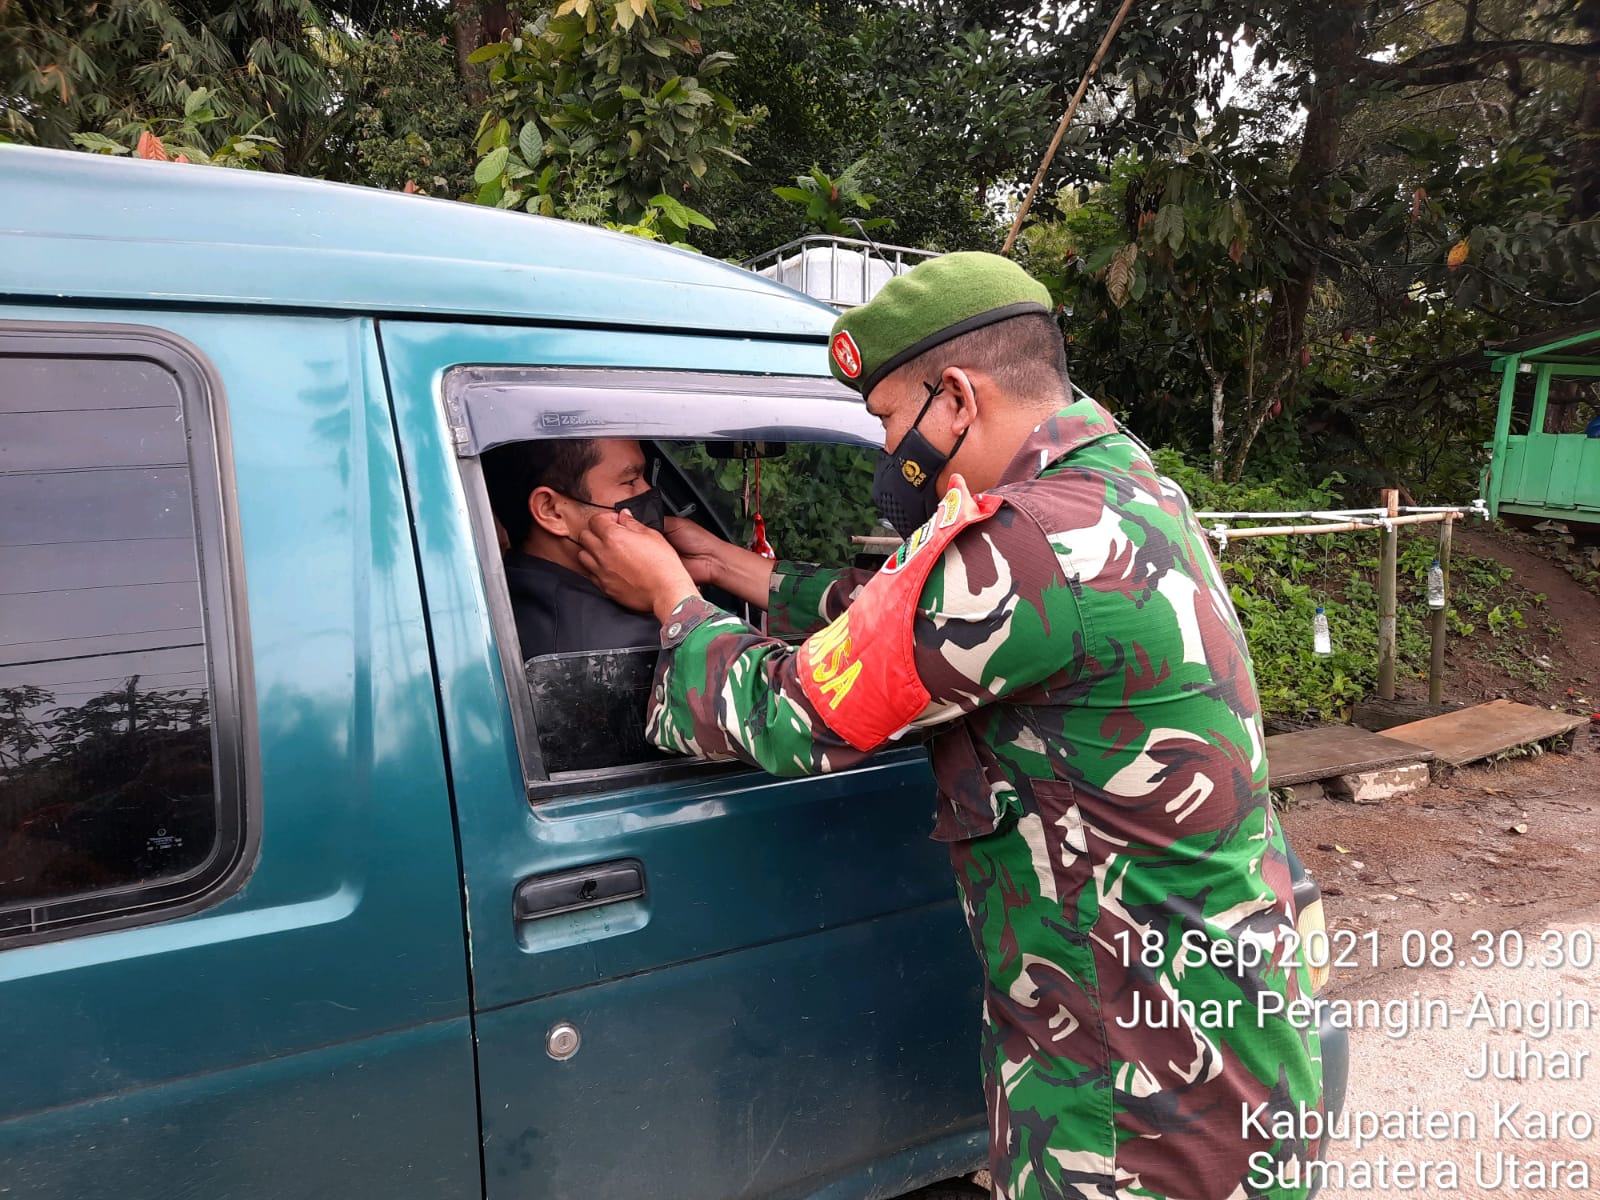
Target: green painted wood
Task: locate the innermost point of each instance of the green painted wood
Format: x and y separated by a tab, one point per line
1495	475
1558	343
1541	399
1538	460
1586	493
1566	455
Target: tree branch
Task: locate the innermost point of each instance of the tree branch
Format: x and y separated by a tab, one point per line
1464	62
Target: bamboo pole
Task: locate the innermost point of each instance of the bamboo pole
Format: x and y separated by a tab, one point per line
1061	129
1422	519
1436	661
1387	589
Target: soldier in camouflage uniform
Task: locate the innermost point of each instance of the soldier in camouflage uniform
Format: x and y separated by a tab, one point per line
1064	637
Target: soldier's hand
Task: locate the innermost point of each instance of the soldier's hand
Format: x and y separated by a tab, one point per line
634	564
701	550
710	560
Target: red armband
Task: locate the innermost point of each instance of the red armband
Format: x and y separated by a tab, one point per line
860	672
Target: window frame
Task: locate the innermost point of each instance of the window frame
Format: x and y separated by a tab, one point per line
556	400
235	763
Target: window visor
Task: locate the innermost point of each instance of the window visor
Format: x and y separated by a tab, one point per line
489	406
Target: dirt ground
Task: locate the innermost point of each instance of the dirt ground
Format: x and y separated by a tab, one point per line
1509	846
1474	673
1444	856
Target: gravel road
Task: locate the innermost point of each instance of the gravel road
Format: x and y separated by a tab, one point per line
1495	1134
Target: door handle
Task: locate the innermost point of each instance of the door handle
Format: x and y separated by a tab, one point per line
578	888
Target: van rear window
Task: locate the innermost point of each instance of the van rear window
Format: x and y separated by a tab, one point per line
108	763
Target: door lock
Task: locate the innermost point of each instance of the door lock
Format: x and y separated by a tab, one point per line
563	1040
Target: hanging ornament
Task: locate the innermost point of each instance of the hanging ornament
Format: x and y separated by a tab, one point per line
758	539
758	536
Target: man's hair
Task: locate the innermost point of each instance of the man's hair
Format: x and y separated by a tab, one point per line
512	472
1025	355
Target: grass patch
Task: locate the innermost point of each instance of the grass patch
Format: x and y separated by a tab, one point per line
1278	582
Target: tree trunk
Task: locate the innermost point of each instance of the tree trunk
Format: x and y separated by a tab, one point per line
478	23
1307	212
1218	379
1583	161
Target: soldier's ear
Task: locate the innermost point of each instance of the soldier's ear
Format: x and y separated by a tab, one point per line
960	386
549	512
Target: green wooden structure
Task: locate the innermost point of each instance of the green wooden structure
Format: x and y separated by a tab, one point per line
1534	475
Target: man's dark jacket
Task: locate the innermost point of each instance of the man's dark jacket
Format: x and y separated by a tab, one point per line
558	610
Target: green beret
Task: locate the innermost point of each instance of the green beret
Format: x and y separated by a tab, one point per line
935	301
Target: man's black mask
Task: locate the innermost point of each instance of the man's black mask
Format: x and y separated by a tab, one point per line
647	508
905	483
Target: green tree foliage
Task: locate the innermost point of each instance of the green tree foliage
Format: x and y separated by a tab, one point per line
831	204
410	126
604	110
120	68
848	87
813	498
1214	268
1281	231
794	70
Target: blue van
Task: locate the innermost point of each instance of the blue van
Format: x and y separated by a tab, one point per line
298	895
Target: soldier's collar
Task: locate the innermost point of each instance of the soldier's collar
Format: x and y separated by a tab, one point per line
1079	423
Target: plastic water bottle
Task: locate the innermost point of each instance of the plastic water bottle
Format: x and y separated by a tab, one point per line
1436	585
1321	642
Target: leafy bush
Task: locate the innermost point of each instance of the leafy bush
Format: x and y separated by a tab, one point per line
1277	583
606	111
813	499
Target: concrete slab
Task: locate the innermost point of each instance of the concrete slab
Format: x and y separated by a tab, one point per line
1369	787
1374	787
1335	750
1484	729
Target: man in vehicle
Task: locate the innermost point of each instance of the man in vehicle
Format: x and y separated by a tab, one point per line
1056	620
543	493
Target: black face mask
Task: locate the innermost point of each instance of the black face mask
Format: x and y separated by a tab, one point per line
904	484
647	508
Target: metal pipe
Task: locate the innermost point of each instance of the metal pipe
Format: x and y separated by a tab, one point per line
1338	514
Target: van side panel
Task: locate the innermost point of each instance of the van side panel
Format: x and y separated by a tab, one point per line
791	1005
309	1035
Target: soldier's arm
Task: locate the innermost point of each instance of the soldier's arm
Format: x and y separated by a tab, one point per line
987	623
805	597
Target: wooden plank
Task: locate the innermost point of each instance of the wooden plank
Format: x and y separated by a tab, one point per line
1334	750
1484	729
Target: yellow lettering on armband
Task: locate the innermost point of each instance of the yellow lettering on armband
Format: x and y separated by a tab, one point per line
837	688
830	653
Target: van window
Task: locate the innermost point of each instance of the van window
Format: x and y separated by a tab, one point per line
109	801
587	702
814	498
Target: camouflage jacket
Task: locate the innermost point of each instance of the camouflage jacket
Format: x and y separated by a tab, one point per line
1097	743
1050	640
